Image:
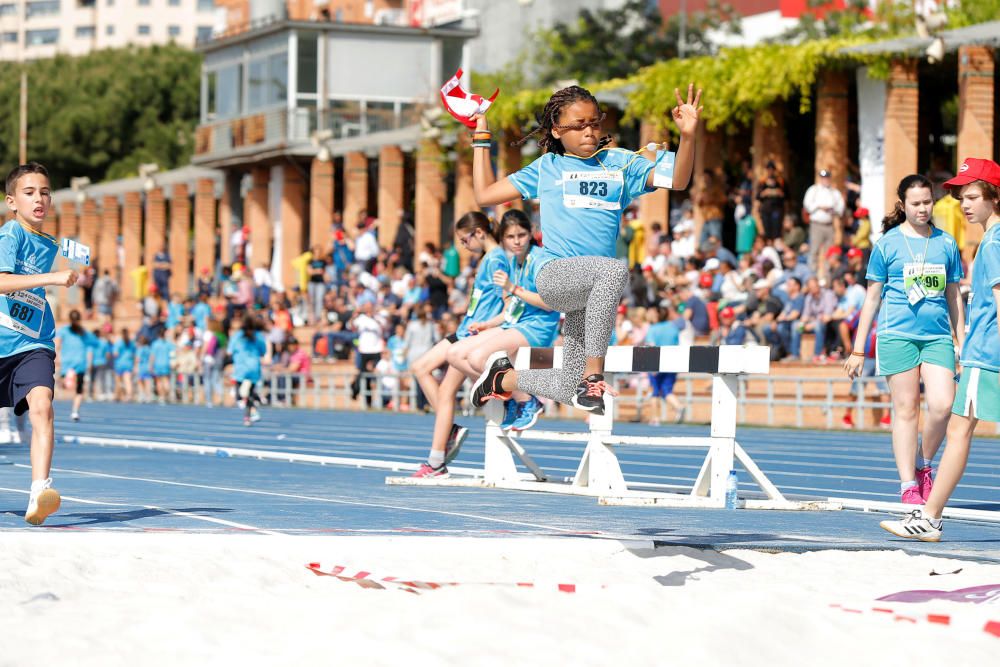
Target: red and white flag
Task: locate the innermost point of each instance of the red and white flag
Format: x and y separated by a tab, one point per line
461	104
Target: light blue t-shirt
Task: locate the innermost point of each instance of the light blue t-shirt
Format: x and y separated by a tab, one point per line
74	348
124	355
246	355
102	348
896	261
982	342
160	353
201	311
540	327
486	300
397	350
582	200
142	355
26	321
175	311
662	334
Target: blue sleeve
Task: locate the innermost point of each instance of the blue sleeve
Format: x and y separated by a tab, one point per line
636	175
955	272
261	344
526	180
989	253
231	346
8	252
497	262
878	271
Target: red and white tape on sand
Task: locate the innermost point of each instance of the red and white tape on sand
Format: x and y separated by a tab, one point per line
989	627
367	579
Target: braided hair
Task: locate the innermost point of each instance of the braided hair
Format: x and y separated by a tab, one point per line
550	117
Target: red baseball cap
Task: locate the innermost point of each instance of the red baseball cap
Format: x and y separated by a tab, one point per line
862	212
833	250
727	313
976	169
854	252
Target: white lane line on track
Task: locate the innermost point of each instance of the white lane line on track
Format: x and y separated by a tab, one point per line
296	496
165	510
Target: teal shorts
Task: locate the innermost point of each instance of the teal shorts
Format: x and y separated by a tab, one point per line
978	395
898	355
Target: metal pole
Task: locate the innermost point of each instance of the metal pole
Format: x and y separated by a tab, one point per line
682	41
23	134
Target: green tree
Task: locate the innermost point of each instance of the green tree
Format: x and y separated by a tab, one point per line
102	114
609	44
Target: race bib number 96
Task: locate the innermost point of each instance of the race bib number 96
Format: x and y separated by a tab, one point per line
593	189
23	312
933	278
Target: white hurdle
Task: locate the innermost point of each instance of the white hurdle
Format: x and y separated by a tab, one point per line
599	472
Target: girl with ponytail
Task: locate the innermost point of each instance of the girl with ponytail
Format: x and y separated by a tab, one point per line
477	234
913	276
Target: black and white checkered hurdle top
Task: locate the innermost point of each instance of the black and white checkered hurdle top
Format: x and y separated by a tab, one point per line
722	360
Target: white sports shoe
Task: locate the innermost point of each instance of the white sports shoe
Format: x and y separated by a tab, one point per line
43	501
915	526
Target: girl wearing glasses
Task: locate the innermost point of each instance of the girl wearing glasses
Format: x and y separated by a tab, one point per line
583	187
475	232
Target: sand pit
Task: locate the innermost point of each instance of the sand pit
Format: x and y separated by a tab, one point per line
168	599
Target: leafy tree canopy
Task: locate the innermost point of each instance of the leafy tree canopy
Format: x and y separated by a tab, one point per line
102	114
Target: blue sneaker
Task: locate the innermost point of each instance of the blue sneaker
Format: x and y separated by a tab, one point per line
510	412
527	414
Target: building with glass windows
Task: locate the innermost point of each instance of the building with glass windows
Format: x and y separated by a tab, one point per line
31	29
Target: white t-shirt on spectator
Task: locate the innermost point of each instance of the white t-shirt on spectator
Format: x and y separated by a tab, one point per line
369	335
819	197
683	246
262	277
366	246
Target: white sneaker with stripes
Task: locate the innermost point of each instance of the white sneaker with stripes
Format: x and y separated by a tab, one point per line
915	526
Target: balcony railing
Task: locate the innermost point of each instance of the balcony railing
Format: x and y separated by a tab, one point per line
284	129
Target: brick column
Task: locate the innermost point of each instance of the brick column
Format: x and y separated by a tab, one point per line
391	180
355	189
230	190
654	207
508	162
90	221
321	191
180	240
107	250
257	218
206	233
51	224
770	144
707	155
465	197
430	194
156	227
831	126
901	109
68	219
293	209
976	90
131	242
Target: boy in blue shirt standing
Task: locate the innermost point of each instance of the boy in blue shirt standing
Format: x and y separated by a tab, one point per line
977	187
27	328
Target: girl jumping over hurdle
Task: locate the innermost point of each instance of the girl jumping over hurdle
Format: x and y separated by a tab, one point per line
977	186
584	186
913	275
475	232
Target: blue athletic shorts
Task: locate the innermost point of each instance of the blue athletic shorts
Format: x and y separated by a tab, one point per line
21	373
662	383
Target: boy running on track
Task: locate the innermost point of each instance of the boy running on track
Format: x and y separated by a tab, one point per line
583	187
476	234
977	186
27	328
248	346
913	273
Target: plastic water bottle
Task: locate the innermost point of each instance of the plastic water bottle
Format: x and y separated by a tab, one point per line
732	489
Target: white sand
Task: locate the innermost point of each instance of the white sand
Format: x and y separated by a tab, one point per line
178	599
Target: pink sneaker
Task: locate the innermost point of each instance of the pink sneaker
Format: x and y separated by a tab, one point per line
925	482
426	470
912	496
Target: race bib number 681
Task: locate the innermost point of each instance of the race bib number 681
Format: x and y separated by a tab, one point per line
23	312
